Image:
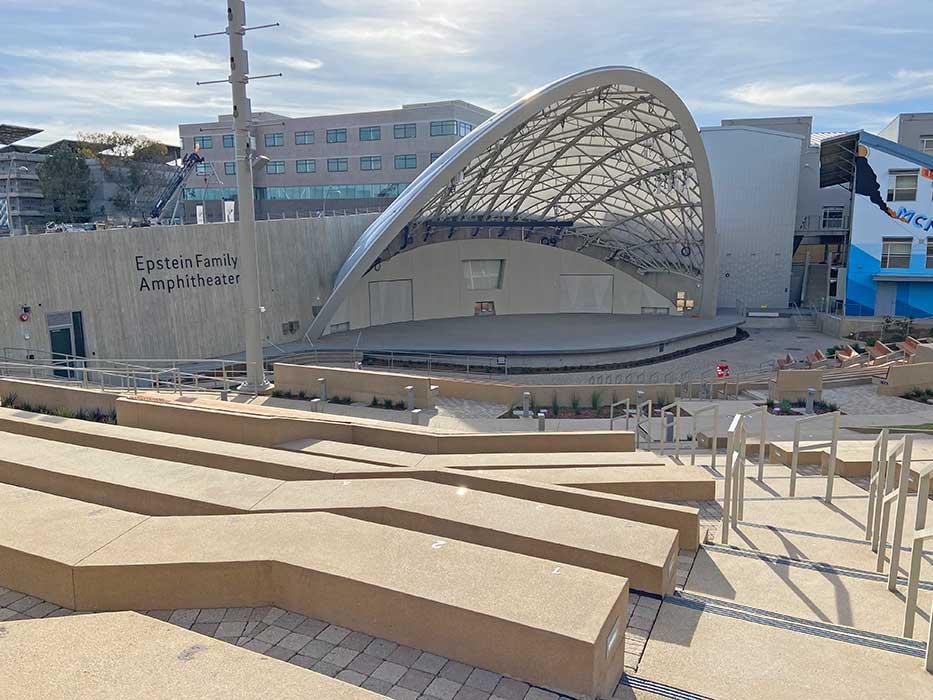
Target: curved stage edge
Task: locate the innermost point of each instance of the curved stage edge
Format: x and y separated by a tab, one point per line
531	343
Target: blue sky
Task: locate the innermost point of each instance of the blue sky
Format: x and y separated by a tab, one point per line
81	65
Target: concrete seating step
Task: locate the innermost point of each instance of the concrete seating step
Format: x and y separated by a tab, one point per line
644	553
556	625
114	656
266	426
662	483
280	464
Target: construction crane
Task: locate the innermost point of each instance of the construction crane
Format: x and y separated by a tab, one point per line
188	163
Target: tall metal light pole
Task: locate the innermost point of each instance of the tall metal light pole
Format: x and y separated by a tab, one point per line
249	259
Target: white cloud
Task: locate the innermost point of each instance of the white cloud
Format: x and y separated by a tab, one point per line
301	64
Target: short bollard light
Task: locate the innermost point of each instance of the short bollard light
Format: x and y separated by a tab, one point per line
322	388
542	415
526	403
416	416
810	393
410	397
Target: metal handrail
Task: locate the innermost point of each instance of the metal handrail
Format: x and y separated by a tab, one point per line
734	477
714	409
832	444
921	534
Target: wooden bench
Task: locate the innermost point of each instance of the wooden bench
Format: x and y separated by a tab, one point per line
558	626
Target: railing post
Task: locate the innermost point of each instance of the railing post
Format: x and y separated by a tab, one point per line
740	472
916	553
727	484
795	460
225	392
762	444
899	513
831	469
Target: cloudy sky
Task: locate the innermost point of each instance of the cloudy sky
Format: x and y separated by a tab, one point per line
82	65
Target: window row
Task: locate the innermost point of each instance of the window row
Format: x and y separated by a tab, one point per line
448	127
376	191
896	251
334	165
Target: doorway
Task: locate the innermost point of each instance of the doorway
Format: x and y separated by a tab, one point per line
66	340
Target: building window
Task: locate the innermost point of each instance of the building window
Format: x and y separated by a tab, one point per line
902	187
337	165
204	141
406	131
929	253
435	156
203	169
484	308
895	252
305	166
370	133
406	162
371	163
229	168
926	145
275	167
482	274
277	139
445	128
336	136
228	141
463	128
304	138
833	217
339	327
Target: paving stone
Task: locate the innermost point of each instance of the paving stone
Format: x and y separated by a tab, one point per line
212	615
388	671
163	615
326	668
455	671
364	663
351	677
273	614
61	612
430	663
356	641
17	616
41	610
272	634
7	614
254	627
257	646
399	693
280	652
232	628
303	661
470	693
405	656
184	617
4	590
413	679
340	656
539	694
377	686
311	627
316	648
208	628
511	689
10	597
260	612
24	603
294	641
380	648
442	689
334	634
484	680
290	620
237	615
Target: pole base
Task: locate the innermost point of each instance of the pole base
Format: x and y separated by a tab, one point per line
262	389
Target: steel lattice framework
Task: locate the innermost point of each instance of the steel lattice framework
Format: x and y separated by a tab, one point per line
608	163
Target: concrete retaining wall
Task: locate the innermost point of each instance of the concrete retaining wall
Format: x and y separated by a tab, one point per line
359	385
903	378
55	397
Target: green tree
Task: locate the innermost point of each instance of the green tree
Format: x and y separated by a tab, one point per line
135	165
65	180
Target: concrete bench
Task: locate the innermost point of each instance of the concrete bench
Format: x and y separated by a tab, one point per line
658	483
279	464
793	384
61	657
901	378
265	426
644	553
558	626
360	385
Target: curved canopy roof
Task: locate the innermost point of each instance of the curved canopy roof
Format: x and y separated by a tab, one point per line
607	162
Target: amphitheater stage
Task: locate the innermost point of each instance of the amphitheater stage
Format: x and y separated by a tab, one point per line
540	341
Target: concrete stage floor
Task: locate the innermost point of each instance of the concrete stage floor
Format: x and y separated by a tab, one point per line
530	334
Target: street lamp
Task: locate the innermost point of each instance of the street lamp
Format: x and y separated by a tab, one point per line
326	190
